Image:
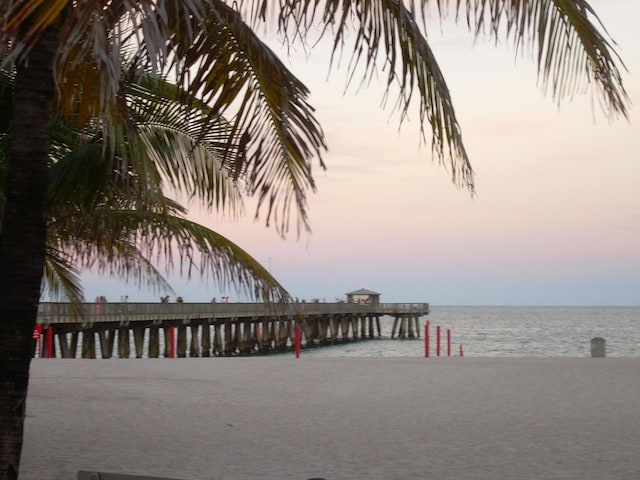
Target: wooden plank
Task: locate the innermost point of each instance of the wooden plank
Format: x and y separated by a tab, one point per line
86	475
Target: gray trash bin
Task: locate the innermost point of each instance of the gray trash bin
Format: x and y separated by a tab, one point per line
598	348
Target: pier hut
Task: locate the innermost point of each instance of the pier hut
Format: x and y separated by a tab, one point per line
363	295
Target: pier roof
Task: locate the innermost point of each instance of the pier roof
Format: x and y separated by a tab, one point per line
363	291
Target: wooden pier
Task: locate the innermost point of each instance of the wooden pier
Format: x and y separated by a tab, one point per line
153	330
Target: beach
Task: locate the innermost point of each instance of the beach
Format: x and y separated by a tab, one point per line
337	418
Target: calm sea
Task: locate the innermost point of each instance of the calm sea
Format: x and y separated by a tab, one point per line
509	332
501	332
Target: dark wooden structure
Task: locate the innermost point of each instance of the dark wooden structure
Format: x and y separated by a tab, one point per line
153	330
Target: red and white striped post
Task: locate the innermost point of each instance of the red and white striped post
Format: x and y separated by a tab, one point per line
438	340
426	339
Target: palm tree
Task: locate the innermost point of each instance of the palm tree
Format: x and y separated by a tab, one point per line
67	51
100	215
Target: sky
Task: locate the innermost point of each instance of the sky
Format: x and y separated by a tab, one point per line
556	216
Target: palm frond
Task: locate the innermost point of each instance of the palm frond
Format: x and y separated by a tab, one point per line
28	18
275	127
573	50
190	160
90	245
126	244
212	255
385	36
240	77
61	277
389	33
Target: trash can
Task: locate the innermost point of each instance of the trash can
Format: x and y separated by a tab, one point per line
598	348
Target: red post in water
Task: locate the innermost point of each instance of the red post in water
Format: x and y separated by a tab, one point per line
297	340
426	339
50	352
461	351
448	342
172	342
438	340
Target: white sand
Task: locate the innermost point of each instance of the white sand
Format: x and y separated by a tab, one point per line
337	418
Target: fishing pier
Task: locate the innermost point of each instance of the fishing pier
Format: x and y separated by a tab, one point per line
170	330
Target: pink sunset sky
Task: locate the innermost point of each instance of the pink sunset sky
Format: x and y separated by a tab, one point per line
556	218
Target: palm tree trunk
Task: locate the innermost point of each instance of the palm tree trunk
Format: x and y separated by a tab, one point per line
22	241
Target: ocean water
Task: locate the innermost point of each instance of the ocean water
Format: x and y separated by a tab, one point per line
495	332
508	332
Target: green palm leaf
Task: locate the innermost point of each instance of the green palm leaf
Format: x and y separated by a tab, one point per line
61	277
238	75
102	216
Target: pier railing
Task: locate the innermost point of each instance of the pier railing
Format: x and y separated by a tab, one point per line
58	312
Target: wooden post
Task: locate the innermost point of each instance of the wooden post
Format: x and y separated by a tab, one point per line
426	339
68	350
438	340
401	326
88	344
194	346
217	340
257	332
154	341
205	341
297	340
245	343
169	342
334	325
309	331
181	347
228	340
106	338
410	331
344	327
124	347
236	335
138	340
